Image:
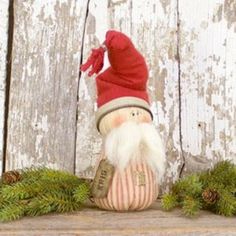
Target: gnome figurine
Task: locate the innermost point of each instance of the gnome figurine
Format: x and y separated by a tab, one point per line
132	162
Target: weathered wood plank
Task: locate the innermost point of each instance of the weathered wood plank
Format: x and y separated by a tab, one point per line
152	26
208	72
92	221
88	145
3	57
44	83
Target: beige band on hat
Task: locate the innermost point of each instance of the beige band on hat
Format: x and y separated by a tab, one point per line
120	103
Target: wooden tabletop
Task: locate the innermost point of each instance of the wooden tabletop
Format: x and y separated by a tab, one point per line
92	221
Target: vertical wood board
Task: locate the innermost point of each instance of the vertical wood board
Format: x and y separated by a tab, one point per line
43	93
152	27
88	145
153	30
208	88
3	63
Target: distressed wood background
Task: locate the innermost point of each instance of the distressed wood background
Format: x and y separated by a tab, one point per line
47	106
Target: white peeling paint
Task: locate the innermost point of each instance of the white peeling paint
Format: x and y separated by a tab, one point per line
46	65
47	7
39	138
154	110
40	125
43	93
96	7
83	89
44	124
29	67
173	170
208	70
95	107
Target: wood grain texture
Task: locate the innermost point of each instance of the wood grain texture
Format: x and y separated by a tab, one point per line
88	145
3	62
208	72
152	26
43	93
92	221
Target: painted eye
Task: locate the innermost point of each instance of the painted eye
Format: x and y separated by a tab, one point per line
133	113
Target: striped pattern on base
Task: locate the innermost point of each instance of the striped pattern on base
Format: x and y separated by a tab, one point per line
135	188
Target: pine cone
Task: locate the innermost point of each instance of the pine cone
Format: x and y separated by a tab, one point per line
210	196
11	177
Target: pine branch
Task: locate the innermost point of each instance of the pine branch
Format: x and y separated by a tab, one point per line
59	176
10	212
57	201
32	174
38	206
191	206
17	192
169	201
213	190
39	191
3	202
61	202
226	205
222	175
82	192
190	185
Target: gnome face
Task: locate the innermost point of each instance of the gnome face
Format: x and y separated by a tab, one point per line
117	117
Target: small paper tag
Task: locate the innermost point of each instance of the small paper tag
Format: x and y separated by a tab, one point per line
102	180
139	178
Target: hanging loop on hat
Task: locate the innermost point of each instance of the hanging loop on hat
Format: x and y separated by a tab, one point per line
95	60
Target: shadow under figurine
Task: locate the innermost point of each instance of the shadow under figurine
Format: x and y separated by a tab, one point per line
133	160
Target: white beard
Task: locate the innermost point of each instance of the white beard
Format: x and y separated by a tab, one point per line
135	141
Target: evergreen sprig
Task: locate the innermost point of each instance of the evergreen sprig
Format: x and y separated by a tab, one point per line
40	191
191	206
169	201
188	192
81	193
11	211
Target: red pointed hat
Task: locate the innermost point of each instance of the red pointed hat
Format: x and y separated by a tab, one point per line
123	84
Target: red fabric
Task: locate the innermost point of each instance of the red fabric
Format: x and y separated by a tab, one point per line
95	60
128	73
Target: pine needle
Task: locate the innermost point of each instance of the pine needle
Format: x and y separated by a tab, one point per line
10	212
188	192
169	201
81	193
191	206
40	191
